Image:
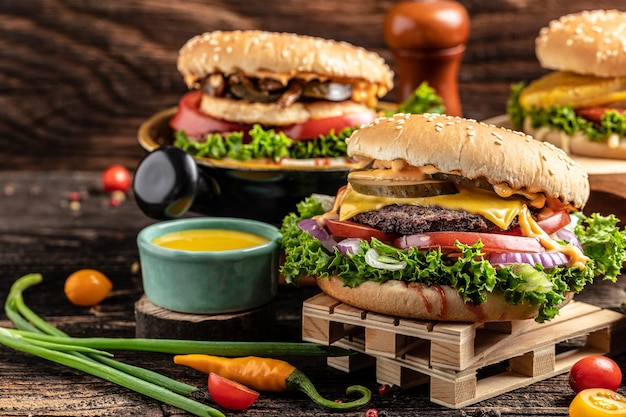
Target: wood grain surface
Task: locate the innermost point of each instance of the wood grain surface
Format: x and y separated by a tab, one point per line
39	232
77	77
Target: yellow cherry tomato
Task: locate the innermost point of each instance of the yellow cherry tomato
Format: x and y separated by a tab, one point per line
87	287
597	402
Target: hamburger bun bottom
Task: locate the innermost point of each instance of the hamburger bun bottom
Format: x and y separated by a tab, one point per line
423	302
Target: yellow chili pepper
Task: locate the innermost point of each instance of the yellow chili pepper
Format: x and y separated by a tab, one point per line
261	374
266	374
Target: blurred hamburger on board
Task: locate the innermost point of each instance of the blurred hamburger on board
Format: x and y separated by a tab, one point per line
247	86
579	106
446	218
263	126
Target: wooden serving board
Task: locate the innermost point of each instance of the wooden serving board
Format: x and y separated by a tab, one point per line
451	356
156	322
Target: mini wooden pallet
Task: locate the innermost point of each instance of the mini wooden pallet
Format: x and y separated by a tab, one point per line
450	355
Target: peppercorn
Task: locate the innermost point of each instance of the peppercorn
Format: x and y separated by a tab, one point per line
372	412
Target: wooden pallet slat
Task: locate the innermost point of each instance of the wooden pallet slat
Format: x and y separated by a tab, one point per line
409	352
540	361
393	373
457	391
352	363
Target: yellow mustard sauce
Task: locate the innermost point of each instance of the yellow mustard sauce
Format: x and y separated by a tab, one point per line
213	240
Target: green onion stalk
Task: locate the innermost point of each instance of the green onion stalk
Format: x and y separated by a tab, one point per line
88	360
35	336
95	368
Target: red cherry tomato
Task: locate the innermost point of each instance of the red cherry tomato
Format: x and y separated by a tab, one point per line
116	178
194	122
230	394
595	371
597	402
492	242
347	228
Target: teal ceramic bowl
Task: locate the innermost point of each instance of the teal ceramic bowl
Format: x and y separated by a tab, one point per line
209	282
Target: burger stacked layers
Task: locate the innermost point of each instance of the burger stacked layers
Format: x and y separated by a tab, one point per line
450	219
254	84
579	106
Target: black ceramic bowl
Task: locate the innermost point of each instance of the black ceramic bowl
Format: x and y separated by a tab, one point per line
169	182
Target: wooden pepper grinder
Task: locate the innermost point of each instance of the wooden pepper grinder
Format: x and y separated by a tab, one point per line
427	38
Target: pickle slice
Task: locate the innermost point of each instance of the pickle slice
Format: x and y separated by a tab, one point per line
403	189
480	182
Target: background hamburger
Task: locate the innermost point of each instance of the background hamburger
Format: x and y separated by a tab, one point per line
263	126
249	85
579	106
450	219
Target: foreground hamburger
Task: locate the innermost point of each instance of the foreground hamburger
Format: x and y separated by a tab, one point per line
451	219
246	86
578	106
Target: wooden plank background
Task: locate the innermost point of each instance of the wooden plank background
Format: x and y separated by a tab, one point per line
77	77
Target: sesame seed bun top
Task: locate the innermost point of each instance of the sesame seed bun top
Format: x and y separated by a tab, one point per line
590	42
281	56
473	149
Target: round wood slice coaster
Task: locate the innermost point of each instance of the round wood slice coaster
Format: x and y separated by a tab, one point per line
159	323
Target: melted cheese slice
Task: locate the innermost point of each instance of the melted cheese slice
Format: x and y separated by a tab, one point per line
528	225
566	88
499	211
489	205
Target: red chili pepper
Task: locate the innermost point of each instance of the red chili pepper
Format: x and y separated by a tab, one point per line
265	374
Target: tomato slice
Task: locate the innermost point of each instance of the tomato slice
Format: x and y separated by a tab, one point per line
346	228
597	402
230	394
189	118
493	242
551	224
595	114
316	127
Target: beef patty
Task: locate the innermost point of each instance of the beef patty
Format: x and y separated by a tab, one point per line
407	220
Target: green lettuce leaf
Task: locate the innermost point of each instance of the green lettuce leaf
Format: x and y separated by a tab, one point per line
603	242
563	118
424	99
514	108
470	274
264	144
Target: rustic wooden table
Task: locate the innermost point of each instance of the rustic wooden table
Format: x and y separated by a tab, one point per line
39	232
